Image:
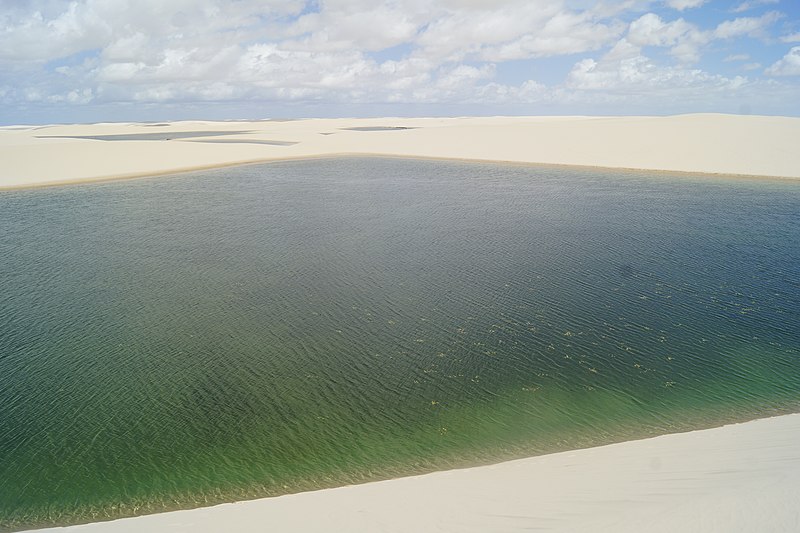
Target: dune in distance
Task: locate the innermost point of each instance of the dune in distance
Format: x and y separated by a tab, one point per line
699	143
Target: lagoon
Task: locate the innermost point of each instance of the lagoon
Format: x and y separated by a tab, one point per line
229	334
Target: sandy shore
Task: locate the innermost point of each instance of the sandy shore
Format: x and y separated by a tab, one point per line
708	143
741	477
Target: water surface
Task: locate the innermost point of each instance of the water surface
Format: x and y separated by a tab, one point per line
187	340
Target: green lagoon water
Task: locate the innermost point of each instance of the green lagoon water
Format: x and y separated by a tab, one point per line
181	341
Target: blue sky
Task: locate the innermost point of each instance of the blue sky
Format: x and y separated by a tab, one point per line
107	60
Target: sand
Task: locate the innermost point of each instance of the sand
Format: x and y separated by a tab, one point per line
737	478
742	477
700	143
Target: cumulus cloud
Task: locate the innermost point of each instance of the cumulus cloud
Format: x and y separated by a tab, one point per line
628	73
43	31
460	33
687	40
278	49
680	5
750	26
357	51
650	29
788	65
370	26
565	33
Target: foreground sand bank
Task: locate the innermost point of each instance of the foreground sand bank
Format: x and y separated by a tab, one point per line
741	477
707	143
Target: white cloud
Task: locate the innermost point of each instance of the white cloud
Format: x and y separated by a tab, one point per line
357	51
131	47
120	72
651	30
43	31
37	37
751	66
82	96
751	4
457	34
370	26
793	38
624	72
270	66
750	26
685	39
456	84
788	65
184	49
565	33
680	5
528	92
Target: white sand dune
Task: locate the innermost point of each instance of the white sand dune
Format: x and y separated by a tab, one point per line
708	143
738	478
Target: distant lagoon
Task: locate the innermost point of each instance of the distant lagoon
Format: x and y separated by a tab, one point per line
252	331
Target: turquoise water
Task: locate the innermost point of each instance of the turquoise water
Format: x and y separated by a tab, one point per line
175	342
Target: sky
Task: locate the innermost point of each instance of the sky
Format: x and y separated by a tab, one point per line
151	60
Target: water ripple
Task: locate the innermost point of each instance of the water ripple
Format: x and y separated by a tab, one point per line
260	330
